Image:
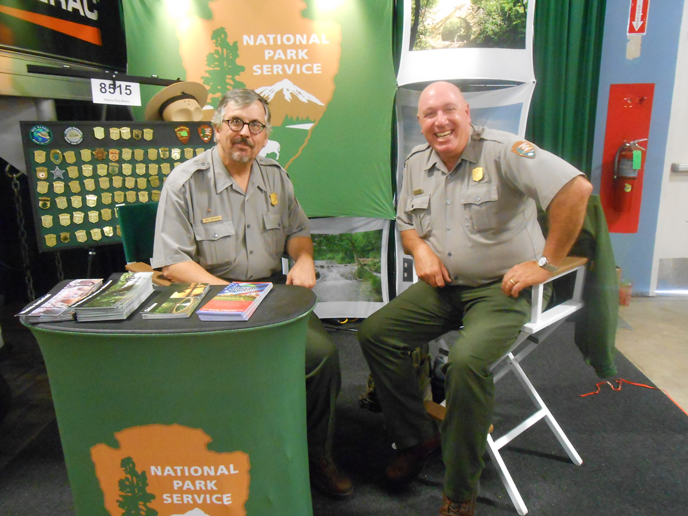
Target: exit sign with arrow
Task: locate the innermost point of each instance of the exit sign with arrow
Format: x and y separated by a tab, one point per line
637	18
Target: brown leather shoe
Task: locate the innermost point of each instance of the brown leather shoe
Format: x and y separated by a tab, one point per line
410	461
327	479
450	508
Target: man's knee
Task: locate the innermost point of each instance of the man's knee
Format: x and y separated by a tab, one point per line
367	331
320	350
462	361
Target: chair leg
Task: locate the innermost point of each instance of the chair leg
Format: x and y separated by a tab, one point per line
542	413
505	476
549	418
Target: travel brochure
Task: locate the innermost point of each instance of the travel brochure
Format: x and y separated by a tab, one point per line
177	301
236	302
124	294
91	300
61	305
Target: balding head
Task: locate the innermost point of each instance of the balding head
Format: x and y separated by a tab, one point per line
445	120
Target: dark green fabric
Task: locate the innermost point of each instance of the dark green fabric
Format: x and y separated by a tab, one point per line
596	323
137	222
567	50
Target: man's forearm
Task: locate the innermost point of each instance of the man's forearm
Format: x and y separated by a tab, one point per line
410	241
300	247
566	216
190	272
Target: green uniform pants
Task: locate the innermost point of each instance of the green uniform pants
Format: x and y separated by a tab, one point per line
323	381
491	322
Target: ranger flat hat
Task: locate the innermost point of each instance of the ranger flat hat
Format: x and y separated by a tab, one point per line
186	90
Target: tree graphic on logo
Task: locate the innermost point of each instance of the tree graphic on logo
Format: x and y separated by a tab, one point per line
222	66
134	496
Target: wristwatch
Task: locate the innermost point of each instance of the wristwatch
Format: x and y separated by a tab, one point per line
542	262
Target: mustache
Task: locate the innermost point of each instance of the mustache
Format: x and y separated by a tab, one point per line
245	141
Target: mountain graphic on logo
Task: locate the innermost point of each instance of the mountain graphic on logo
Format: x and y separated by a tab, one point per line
287	99
193	512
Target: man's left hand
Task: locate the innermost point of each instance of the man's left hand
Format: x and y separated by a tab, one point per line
302	273
522	276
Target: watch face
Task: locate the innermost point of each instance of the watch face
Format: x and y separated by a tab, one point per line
542	261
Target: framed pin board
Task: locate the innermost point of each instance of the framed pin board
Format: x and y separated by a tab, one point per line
80	171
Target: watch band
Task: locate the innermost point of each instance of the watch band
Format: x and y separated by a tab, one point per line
544	263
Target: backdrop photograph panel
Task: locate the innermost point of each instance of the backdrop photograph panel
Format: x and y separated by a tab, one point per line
466	39
350	265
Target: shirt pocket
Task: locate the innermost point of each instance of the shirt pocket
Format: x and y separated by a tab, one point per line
419	208
274	234
481	208
215	243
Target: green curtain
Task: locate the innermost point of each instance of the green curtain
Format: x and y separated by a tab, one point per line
567	52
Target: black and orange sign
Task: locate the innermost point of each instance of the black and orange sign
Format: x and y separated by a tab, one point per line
77	30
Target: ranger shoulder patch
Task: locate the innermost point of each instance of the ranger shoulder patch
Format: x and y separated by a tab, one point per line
524	149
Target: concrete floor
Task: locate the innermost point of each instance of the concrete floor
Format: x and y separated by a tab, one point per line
655	339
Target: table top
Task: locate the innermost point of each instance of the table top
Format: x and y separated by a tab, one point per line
283	303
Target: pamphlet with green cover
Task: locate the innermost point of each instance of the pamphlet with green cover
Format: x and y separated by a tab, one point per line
119	297
177	301
236	302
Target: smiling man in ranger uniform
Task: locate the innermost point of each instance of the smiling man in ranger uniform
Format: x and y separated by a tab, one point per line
467	214
230	214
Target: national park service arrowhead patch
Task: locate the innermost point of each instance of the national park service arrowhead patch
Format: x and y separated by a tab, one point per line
524	149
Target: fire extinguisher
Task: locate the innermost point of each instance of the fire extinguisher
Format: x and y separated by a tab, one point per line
627	164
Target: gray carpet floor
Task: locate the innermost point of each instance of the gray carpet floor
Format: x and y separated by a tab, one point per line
634	444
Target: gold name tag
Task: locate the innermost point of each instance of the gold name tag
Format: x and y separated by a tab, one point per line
207	220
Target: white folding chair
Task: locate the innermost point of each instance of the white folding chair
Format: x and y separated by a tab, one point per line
542	323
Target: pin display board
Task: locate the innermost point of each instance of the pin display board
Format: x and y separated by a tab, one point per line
80	171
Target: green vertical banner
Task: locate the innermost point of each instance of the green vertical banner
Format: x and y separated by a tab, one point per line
324	65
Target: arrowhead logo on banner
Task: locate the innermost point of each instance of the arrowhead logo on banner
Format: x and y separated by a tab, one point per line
168	470
290	60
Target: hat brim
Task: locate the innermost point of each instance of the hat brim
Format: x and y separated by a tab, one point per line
199	92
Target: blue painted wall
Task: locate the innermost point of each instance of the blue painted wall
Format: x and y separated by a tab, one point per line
656	64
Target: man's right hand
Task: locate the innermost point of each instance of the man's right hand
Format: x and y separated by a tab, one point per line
429	267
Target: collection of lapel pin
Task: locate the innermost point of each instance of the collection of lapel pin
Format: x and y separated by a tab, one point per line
78	178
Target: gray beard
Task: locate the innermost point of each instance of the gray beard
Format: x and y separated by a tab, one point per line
240	157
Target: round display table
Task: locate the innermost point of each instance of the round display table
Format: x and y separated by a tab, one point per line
185	417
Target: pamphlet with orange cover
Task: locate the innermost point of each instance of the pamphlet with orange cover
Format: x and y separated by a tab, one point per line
236	302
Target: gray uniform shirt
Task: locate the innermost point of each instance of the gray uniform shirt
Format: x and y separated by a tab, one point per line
204	216
481	217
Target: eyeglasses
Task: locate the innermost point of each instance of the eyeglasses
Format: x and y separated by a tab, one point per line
237	124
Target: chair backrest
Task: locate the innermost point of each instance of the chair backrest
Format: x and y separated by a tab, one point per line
137	222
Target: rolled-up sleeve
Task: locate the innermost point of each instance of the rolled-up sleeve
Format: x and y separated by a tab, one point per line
174	234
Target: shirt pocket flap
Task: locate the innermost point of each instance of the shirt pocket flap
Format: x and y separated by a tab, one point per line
419	202
272	221
479	194
214	230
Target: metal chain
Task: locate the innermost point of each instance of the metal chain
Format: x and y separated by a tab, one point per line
58	264
18	203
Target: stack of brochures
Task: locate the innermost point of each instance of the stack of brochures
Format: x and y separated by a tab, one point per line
177	301
236	302
119	297
60	305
